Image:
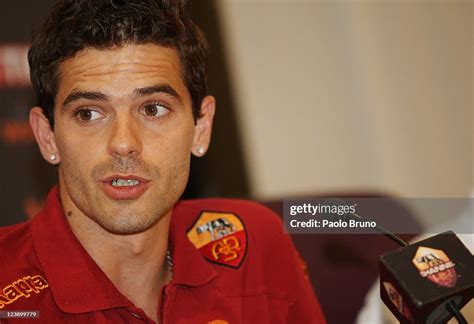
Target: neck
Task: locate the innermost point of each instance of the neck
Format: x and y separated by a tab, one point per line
135	263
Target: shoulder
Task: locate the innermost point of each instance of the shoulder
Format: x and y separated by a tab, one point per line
16	249
22	279
269	258
14	237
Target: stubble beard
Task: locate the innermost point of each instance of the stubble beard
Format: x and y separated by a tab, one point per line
123	217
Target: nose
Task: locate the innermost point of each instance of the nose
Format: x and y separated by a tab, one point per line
124	139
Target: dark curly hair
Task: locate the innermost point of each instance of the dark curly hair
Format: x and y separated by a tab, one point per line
74	25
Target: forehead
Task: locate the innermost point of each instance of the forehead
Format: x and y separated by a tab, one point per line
121	69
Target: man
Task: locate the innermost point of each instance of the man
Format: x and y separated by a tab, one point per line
121	87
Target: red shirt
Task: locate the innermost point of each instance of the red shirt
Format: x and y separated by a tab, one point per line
232	264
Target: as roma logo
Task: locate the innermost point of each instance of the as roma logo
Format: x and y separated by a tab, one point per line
436	266
220	237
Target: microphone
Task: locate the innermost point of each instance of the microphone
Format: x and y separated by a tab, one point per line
427	281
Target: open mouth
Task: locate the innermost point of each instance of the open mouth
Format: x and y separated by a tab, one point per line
119	187
124	183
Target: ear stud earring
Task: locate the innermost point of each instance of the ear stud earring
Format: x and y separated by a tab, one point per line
53	157
201	151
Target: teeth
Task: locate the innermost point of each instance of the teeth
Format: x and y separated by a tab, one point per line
124	183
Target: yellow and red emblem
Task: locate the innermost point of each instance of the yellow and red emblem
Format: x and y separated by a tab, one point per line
435	265
220	237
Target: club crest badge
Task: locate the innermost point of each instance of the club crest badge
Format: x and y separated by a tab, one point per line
436	266
220	237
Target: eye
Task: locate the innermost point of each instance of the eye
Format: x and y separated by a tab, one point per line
86	114
154	110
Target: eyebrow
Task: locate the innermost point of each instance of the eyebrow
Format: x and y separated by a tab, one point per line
76	95
160	88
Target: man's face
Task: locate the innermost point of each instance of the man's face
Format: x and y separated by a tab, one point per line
124	132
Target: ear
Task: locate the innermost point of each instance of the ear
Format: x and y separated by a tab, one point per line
44	135
203	127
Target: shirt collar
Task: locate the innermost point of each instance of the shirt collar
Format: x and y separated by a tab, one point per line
76	281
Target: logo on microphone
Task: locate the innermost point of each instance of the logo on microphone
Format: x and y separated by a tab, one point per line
436	266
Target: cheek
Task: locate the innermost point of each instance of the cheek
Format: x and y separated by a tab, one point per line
176	151
175	155
175	139
77	153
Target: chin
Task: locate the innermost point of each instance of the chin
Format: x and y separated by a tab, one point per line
125	222
127	227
